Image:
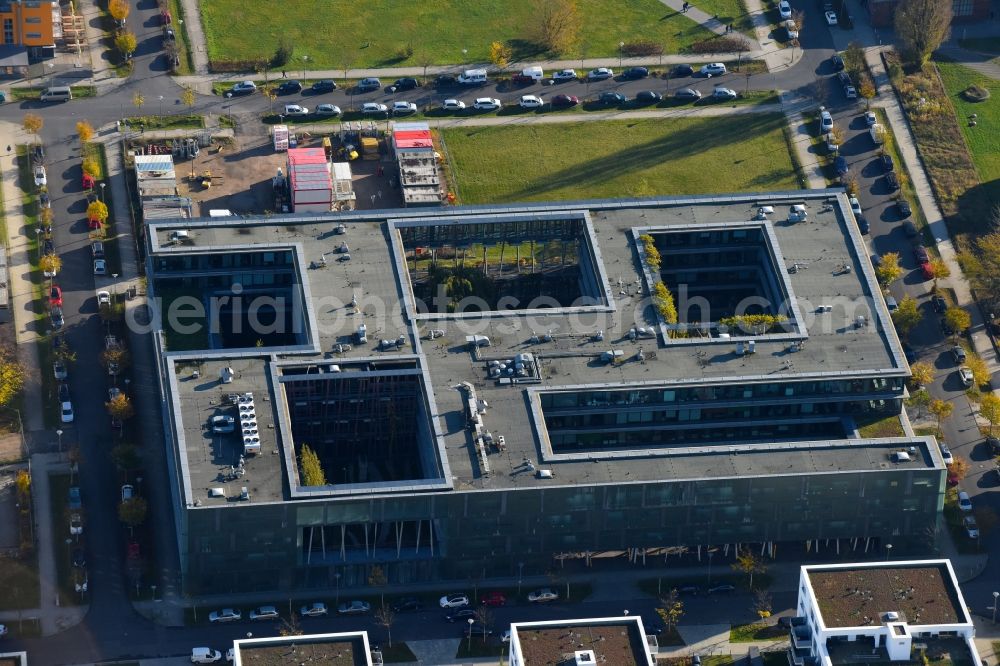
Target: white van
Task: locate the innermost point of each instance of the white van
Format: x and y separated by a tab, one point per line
56	94
535	73
204	655
472	77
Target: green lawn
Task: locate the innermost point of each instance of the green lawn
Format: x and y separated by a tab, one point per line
335	34
981	44
620	158
729	12
983	139
887	427
758	631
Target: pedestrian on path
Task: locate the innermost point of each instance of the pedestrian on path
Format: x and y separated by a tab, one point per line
284	74
684	7
373	200
380	195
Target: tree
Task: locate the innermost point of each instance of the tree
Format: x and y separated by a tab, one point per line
939	270
762	604
97	210
888	270
116	358
119	10
672	609
384	617
921	27
126	43
989	409
32	124
500	55
558	24
11	377
271	94
919	400
120	407
957	319
125	456
748	564
867	90
85	131
310	468
854	58
922	374
138	100
50	263
980	371
485	617
132	512
187	96
376	578
941	410
959	468
798	18
906	316
291	626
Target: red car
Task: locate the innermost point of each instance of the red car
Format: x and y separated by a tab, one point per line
55	297
927	271
565	100
93	223
88	181
493	599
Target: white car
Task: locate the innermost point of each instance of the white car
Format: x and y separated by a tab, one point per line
315	609
870	118
454	601
66	415
128	492
225	615
600	74
791	29
264	613
204	655
850	92
831	18
825	120
75	524
453	105
964	501
296	110
3	630
542	595
855	205
100	267
231	655
505	636
103	298
113	392
565	75
403	108
327	110
39	173
354	607
374	107
724	93
59	370
785	9
946	454
487	104
965	374
713	69
531	102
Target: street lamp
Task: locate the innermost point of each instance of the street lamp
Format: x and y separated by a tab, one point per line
888	551
305	59
337	577
470	633
114	288
520	575
995	595
103	185
621	49
465	52
59	434
161	106
710	554
38	242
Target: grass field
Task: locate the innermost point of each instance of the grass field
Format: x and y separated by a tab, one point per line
334	34
983	139
732	12
620	158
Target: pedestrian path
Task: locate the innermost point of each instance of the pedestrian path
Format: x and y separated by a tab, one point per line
985	63
698	16
802	144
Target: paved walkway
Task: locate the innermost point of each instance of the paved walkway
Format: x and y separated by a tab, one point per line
986	64
800	124
19	276
195	35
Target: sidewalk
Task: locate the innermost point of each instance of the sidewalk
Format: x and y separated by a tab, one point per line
19	275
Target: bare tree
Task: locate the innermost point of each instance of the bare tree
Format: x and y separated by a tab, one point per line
921	27
384	617
558	25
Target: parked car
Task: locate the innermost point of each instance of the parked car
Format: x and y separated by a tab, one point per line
38	154
327	110
564	100
128	492
634	73
405	84
791	30
242	88
904	207
564	75
44	200
682	70
543	595
369	84
966	376
648	97
75	524
863	225
74	498
324	86
713	69
946	454
487	104
855	205
890	302
971	527
722	588
460	614
40	178
958	353
100	267
296	110
225	615
886	160
841	166
372	108
79	558
63	391
204	655
453	105
403	108
97	250
289	88
870	118
611	98
938	303
407	604
600	74
724	93
315	609
831	18
265	613
531	102
454	601
55	296
892	181
689	589
910	229
445	81
964	501
850	92
494	598
66	412
59	370
354	608
687	93
920	254
825	120
785	9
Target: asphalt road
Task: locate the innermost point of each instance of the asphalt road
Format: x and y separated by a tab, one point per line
112	629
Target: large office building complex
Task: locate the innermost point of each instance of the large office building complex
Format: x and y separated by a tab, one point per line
483	391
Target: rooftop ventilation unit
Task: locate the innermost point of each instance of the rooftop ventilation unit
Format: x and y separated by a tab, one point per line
584	658
216	492
545	474
226	375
